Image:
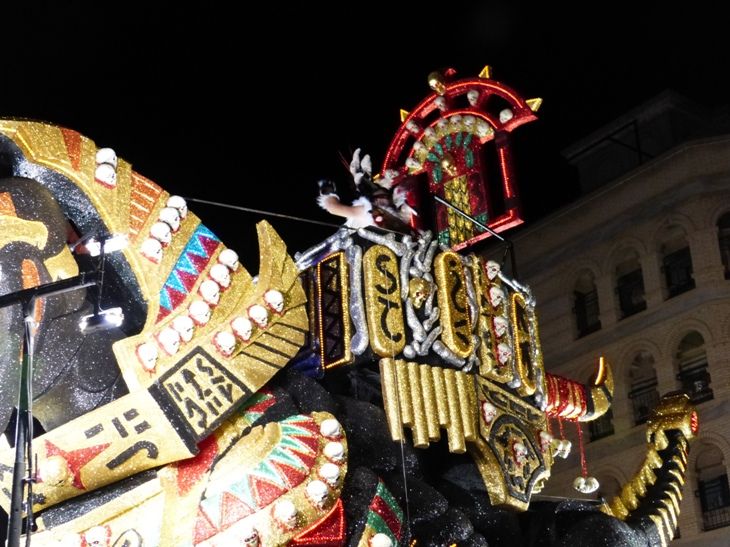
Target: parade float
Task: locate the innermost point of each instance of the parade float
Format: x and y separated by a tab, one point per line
384	387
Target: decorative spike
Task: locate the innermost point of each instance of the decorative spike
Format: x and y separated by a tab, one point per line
403	115
486	72
534	104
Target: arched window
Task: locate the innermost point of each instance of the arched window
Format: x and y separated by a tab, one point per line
676	261
692	364
585	305
630	284
713	489
723	238
643	393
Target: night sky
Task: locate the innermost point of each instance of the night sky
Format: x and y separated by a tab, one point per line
252	110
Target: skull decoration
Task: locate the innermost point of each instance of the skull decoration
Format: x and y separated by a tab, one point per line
546	440
519	453
221	275
334	451
317	493
586	485
429	133
496	296
483	128
440	103
229	257
171	216
178	203
210	291
329	473
469	122
380	540
184	327
199	312
106	174
330	428
162	233
493	268
106	155
418	146
259	315
455	120
413	163
275	300
147	355
98	536
504	354
412	126
442	124
500	326
225	343
152	250
489	412
285	514
169	340
505	115
242	328
419	290
561	447
55	470
473	97
249	536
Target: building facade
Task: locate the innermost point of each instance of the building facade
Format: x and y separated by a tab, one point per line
638	271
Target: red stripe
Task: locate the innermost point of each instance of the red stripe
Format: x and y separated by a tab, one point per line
380	507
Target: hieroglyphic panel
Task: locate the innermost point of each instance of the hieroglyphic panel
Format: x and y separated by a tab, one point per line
452	299
382	301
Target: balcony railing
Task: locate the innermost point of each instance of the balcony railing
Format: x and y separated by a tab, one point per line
717	518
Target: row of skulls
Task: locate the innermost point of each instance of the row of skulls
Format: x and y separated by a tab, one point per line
105	172
161	232
500	323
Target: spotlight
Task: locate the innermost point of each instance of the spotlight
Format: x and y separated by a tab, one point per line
111	244
101	320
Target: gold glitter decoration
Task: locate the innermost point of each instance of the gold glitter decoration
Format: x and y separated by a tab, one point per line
452	300
522	345
16	229
426	398
381	279
338	285
456	192
62	266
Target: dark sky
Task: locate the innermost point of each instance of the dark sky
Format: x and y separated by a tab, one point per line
253	109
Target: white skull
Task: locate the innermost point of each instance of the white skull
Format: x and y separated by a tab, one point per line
249	535
519	452
330	428
152	250
496	296
412	163
221	275
334	451
412	126
546	440
98	536
429	133
504	353
178	203
469	122
259	315
285	513
418	146
473	97
317	492
147	355
505	115
275	300
500	326
591	485
161	232
210	291
489	412
442	124
493	268
225	342
199	312
229	257
184	327
562	447
169	340
108	156
483	128
380	540
242	328
106	175
171	216
55	471
455	120
440	103
329	473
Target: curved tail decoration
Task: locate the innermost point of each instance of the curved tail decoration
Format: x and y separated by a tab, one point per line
571	400
650	501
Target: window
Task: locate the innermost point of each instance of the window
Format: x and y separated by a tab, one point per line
643	393
630	284
723	238
602	427
692	364
676	262
585	305
713	488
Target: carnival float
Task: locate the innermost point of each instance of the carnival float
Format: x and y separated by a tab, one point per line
384	387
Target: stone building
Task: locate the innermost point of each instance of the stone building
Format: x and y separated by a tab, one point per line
638	270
